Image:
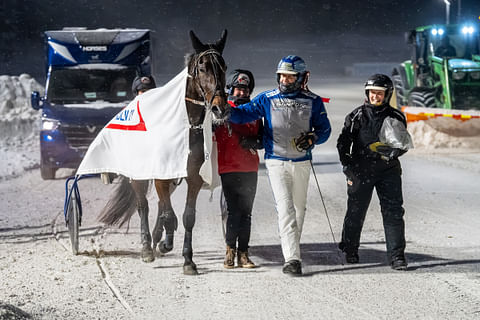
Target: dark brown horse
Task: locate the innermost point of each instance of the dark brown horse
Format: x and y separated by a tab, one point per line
205	89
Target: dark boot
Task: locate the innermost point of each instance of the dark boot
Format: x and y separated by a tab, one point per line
352	256
399	263
293	268
243	261
229	262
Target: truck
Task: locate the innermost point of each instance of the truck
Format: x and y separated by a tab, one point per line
88	81
442	78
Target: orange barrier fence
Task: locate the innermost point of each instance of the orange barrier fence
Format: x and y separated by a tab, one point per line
416	114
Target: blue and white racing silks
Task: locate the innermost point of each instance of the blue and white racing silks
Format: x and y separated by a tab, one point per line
286	117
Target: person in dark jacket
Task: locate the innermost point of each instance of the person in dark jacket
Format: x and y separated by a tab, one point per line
368	164
445	49
238	167
140	84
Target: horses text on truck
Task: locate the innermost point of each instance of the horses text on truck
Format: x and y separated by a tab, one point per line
88	81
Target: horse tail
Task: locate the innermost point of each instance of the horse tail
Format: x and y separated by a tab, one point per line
121	206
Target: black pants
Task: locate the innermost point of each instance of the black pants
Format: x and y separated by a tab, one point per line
388	185
239	189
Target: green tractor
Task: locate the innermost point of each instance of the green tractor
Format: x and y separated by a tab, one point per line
443	75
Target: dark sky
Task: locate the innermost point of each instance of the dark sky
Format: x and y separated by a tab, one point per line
330	34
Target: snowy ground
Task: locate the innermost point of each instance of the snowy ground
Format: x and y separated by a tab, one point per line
39	275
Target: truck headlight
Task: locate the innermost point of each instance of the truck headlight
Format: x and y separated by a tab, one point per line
458	75
50	124
475	75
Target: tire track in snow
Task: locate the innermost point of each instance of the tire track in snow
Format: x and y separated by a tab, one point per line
96	253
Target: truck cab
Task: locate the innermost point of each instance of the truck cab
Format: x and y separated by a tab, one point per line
88	81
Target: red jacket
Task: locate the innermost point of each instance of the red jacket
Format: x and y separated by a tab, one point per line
231	156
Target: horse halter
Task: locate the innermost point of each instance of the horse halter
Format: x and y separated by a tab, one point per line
216	65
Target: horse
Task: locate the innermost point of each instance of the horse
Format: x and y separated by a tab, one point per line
205	89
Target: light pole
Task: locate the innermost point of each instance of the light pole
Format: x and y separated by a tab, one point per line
459	11
447	10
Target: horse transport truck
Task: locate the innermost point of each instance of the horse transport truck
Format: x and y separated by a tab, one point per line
88	81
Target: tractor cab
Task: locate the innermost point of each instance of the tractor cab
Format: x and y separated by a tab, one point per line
453	42
444	70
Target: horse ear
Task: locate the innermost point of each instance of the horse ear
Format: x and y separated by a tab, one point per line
196	43
220	44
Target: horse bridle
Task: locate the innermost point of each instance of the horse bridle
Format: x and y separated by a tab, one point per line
218	91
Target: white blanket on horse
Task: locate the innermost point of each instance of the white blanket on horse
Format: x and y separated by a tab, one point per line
149	138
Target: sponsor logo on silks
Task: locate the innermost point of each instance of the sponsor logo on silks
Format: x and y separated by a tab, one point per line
128	119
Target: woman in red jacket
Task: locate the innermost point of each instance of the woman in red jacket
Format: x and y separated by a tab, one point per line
238	167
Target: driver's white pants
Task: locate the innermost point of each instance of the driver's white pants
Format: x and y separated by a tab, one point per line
289	182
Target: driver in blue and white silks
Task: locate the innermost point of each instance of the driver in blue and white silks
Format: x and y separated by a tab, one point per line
295	120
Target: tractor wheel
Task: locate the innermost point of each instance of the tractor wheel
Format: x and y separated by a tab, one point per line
424	99
399	89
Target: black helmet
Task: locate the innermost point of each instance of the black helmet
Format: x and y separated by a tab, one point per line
380	82
143	83
239	78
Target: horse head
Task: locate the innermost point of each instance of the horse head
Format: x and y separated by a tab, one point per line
206	69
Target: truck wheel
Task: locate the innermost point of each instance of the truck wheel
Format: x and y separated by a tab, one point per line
47	173
424	99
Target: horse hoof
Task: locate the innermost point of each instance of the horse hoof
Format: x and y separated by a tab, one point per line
163	249
147	254
148	259
190	270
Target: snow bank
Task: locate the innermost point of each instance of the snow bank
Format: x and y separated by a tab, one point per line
19	125
17	117
427	138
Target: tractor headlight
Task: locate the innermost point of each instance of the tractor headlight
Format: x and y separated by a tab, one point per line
458	75
468	30
475	75
437	31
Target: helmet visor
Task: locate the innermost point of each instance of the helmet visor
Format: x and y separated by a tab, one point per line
286	72
370	87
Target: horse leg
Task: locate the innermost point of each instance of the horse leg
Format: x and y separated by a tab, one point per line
140	187
166	218
194	185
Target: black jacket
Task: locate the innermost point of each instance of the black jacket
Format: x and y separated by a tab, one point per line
361	128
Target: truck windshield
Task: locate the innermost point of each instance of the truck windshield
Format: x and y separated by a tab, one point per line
81	85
